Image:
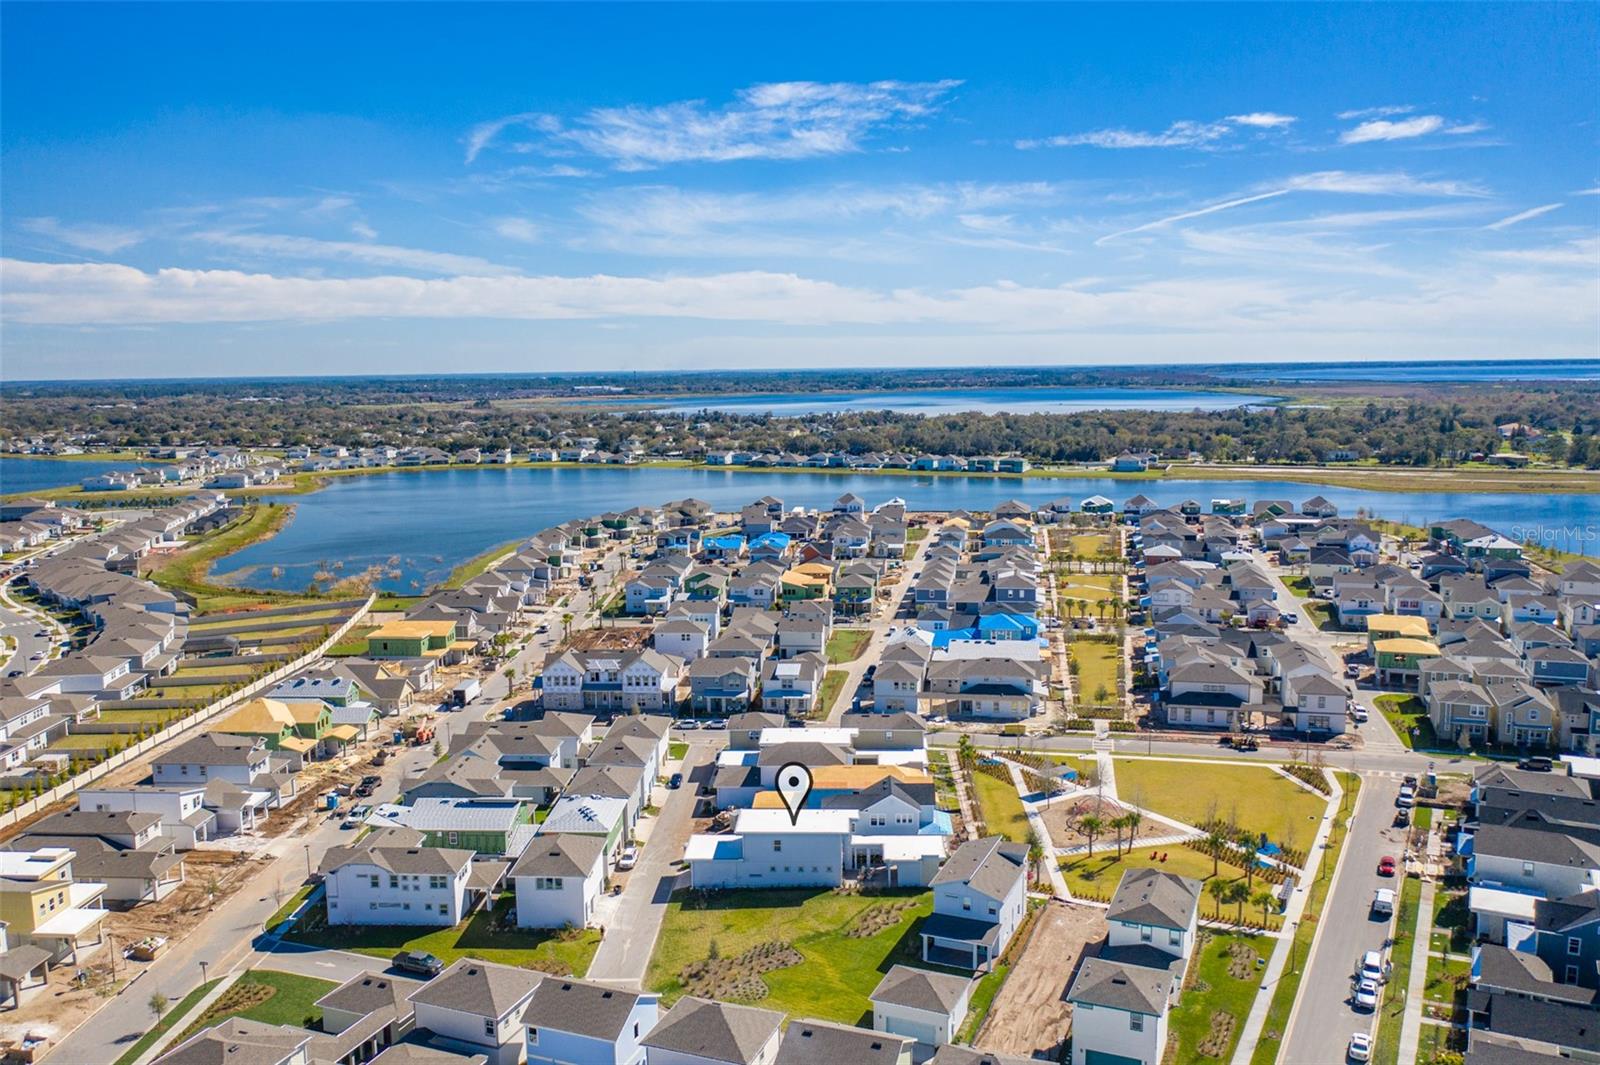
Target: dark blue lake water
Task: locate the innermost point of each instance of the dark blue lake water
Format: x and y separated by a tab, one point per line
1043	400
21	474
421	524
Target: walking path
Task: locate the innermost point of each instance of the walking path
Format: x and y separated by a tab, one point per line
1417	983
1292	913
1057	882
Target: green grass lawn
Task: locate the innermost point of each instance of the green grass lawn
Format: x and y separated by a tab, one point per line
846	645
676	749
1098	665
1098	876
289	907
1001	807
839	970
1254	798
1446	978
1218	991
1090	587
832	685
915	535
290	1001
1452	922
476	937
981	1000
1406	712
1272	1032
1392	1006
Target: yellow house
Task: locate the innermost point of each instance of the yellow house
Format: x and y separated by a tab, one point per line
411	639
1399	658
41	904
811	580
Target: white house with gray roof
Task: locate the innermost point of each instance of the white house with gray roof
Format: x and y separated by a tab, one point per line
697	1031
476	1007
394	885
575	1022
558	878
979	899
920	1004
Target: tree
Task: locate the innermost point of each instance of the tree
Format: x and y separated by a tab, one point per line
1218	890
1238	893
566	624
511	679
1215	841
158	1004
1091	826
1267	901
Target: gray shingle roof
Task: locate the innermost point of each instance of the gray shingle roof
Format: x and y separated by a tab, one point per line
991	865
921	989
1102	982
1153	897
560	854
818	1043
481	988
715	1030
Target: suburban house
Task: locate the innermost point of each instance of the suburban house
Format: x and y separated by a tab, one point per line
558	878
476	1007
574	1022
979	899
698	1031
922	1005
43	904
370	882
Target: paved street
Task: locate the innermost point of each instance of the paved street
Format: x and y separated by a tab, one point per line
630	935
855	670
1325	1020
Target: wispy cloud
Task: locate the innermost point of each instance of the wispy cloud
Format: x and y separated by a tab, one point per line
779	120
1523	216
1181	134
1383	129
1199	212
1583	253
278	245
520	229
86	237
1376	112
1588	192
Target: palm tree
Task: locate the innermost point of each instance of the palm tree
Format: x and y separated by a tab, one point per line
1238	893
1091	826
1267	901
566	624
1215	841
1217	889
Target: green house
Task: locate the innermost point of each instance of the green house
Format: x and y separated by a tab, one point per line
411	639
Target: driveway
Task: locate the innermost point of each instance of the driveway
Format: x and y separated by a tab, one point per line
630	935
1324	1020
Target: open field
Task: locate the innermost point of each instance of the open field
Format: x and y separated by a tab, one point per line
476	937
832	685
846	645
1256	799
1089	587
838	969
1099	665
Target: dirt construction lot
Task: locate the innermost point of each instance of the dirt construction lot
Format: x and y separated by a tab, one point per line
1030	1014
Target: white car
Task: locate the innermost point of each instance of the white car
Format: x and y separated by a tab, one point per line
628	859
1366	996
1360	1048
1407	796
1371	966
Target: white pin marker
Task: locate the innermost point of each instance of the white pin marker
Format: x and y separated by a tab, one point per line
794	786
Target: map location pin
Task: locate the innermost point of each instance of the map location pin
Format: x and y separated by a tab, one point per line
794	785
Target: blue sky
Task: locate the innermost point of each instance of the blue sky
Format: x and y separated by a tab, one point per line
244	189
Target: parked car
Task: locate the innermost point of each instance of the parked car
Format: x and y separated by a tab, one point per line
1366	996
1382	903
686	724
717	723
1407	796
1386	865
1371	967
1360	1048
372	779
15	673
1291	619
628	858
419	962
356	817
675	781
363	791
1402	818
1536	765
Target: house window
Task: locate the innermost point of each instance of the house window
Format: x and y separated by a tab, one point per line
1146	933
1574	946
1174	937
438	882
1527	868
1571	975
488	1026
1135	1022
394	882
777	844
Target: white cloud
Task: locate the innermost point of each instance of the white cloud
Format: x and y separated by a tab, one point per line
1200	212
1376	112
364	231
1382	129
518	229
1263	120
1523	216
781	120
1588	192
1583	253
85	236
1209	304
276	245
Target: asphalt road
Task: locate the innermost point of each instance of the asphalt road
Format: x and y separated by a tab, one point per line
1321	1027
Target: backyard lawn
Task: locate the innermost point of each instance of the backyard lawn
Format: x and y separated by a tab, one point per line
476	937
846	645
1256	799
1211	1014
838	967
1098	664
1001	807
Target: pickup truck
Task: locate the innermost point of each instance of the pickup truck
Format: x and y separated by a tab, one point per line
1382	903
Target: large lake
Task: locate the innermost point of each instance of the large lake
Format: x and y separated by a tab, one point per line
1044	400
423	523
20	474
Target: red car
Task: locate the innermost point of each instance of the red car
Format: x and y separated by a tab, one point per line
1386	866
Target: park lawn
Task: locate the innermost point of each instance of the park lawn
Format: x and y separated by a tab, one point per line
1001	808
839	970
832	685
1254	798
1099	664
476	937
292	1001
1218	991
1089	545
1099	876
846	645
1089	587
1405	713
1283	996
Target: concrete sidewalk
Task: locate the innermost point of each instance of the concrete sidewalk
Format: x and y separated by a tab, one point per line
1417	983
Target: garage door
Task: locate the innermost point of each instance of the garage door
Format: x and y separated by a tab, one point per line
1101	1057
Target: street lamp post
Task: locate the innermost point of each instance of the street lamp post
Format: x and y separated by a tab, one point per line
203	977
